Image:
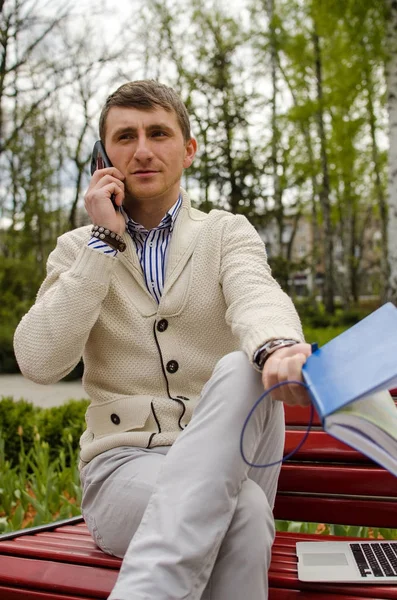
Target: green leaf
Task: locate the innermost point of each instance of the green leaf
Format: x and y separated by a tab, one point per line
295	527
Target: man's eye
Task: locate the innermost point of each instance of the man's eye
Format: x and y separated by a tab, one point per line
159	133
126	136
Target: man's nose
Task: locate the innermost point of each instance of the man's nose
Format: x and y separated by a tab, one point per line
143	150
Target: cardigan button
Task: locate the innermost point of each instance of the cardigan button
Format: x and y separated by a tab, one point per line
115	419
172	366
162	325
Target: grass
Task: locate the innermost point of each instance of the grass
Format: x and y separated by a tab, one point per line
321	336
339	530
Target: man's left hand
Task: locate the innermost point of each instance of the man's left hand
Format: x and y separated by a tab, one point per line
286	364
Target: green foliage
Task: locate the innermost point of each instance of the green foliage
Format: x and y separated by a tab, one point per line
39	448
22	424
321	335
8	362
314	316
283	269
19	282
17	421
62	425
338	530
38	489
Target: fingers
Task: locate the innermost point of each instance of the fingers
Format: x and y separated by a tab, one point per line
106	185
104	180
296	393
107	188
100	173
286	365
301	348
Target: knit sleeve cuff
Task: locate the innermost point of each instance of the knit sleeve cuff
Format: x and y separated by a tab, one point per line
255	340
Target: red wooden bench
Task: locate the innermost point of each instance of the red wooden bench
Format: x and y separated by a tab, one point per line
326	482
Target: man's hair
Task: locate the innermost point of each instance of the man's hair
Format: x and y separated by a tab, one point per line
146	95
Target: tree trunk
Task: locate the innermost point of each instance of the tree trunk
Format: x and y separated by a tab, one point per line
277	193
4	42
314	227
379	193
324	188
391	76
353	257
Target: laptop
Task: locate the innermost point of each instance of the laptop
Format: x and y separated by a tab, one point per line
348	562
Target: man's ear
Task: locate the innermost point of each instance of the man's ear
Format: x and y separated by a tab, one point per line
190	151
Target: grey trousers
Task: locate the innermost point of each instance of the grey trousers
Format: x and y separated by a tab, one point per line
193	521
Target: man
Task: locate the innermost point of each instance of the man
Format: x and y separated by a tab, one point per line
174	332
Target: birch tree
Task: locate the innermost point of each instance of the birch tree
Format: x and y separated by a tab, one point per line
25	27
324	193
391	74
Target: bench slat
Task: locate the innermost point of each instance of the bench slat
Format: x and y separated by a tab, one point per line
318	509
61	578
299	415
286	594
48	541
320	446
355	481
57	534
84	556
80	529
7	593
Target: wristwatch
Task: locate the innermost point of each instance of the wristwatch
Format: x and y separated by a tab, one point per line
269	348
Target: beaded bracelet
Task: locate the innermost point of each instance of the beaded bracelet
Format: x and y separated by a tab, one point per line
112	239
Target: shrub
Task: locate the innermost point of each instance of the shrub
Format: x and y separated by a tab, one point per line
20	422
350	317
39	490
313	315
62	424
17	421
8	362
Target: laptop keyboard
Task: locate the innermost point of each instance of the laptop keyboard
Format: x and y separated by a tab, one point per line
378	559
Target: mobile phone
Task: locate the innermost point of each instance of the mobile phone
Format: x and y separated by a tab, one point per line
100	160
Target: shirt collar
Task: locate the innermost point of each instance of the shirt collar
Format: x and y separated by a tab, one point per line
167	222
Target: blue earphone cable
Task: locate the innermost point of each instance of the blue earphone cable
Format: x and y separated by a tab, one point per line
266	393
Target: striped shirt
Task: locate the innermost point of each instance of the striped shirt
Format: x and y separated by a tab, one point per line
151	246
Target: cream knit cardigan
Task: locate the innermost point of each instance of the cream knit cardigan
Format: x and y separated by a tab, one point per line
219	296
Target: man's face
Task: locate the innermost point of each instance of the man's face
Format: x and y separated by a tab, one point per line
147	146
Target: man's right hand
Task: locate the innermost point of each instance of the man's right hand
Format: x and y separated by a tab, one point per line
97	199
285	364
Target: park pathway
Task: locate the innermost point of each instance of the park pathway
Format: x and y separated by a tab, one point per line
41	395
